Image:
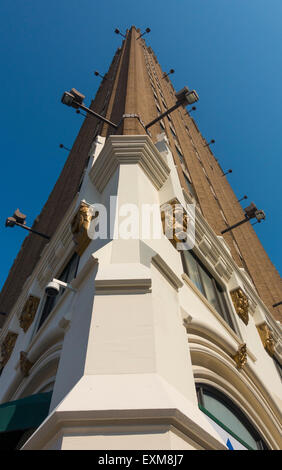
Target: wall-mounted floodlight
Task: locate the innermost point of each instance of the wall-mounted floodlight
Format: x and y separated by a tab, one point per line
75	99
147	31
227	172
19	219
117	31
63	147
169	73
251	212
209	143
53	287
183	98
97	74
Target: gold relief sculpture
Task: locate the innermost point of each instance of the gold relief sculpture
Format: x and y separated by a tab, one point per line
80	226
241	304
7	347
29	311
267	338
25	364
174	220
241	356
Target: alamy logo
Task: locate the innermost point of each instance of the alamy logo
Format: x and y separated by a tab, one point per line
145	221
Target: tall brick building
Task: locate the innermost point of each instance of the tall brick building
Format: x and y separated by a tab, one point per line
137	302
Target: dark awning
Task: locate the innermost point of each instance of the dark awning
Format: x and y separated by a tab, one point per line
26	413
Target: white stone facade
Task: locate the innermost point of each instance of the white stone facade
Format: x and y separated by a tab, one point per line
123	352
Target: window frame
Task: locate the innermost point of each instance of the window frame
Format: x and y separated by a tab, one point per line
219	290
201	388
50	302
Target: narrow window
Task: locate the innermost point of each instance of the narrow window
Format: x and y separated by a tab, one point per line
206	284
67	275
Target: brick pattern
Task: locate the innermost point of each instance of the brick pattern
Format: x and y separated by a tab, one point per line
134	84
216	198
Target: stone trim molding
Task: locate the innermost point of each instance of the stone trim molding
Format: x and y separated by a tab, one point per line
119	286
201	333
126	420
187	280
128	149
167	272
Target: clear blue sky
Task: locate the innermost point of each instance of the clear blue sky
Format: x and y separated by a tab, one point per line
230	51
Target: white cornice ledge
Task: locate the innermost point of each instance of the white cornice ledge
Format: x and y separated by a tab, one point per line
120	278
111	286
129	149
167	272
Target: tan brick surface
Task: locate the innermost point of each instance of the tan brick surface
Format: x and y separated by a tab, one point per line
127	90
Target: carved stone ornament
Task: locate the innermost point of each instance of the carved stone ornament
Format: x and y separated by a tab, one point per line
175	221
7	347
28	312
80	225
241	356
267	338
25	364
241	304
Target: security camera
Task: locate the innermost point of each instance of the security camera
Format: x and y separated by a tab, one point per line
52	289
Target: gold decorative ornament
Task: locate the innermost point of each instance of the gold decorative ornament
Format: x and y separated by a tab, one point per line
241	304
267	338
7	347
80	225
175	221
241	356
28	312
25	364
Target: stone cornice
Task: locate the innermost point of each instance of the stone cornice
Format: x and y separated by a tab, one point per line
169	419
167	272
121	278
127	149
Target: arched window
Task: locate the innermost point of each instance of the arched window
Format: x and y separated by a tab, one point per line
230	422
